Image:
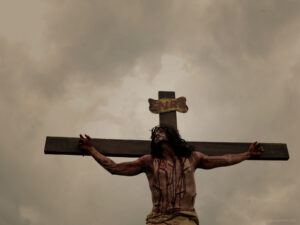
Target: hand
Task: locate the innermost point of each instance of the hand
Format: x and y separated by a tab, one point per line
255	149
85	143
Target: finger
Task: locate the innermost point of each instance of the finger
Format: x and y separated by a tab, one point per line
81	136
258	145
261	149
88	137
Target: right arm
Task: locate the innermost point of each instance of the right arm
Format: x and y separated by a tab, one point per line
126	168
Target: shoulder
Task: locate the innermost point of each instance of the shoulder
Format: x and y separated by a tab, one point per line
146	157
146	160
196	157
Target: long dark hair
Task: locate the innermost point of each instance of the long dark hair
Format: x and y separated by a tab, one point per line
179	145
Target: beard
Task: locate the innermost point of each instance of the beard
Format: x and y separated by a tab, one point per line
161	143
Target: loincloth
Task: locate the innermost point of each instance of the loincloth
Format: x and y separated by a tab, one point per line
179	218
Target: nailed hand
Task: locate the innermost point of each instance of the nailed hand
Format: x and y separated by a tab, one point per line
255	149
85	143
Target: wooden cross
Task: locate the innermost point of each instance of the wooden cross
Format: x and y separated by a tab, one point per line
137	148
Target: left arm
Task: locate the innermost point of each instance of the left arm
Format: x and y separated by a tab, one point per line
209	162
126	168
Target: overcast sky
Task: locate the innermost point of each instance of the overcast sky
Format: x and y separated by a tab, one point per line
70	67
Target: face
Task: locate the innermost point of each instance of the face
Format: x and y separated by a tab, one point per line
160	135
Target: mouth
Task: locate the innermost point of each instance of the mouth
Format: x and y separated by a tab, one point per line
159	139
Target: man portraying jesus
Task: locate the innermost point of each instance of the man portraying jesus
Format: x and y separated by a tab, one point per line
170	170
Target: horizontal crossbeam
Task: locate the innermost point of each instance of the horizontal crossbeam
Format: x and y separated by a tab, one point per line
137	148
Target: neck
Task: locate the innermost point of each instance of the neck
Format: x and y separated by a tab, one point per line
168	152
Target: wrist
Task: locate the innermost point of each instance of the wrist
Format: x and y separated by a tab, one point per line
247	154
90	149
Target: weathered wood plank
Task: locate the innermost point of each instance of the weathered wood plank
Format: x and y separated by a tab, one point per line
167	118
137	148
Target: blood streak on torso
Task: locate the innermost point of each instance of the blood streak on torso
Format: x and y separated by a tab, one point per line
172	185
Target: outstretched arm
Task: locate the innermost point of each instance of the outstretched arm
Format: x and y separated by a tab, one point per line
210	162
126	168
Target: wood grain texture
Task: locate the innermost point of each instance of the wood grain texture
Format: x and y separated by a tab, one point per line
137	148
167	118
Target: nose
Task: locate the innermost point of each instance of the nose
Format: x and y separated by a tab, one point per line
157	134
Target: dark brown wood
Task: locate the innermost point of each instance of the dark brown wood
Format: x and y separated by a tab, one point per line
137	148
108	147
167	118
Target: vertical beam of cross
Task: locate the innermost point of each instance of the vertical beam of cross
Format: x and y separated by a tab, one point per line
167	118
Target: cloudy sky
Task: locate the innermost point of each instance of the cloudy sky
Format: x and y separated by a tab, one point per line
70	67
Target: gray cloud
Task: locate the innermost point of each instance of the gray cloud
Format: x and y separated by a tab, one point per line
237	62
